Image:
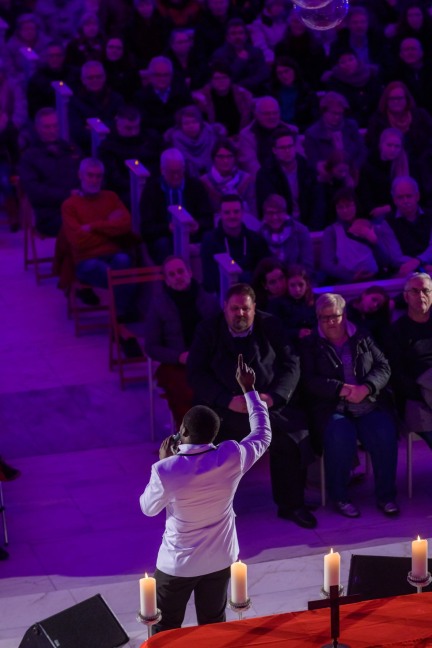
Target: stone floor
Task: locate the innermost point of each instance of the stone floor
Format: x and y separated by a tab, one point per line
84	449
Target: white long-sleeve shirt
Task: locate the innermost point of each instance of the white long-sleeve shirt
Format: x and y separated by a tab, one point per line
197	488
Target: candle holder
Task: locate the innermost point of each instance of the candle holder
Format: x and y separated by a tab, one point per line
239	608
325	595
149	621
334	599
418	581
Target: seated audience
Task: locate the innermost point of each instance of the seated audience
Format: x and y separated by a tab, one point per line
225	177
296	308
397	109
211	28
414	22
269	28
269	282
260	338
195	139
255	142
358	82
88	45
122	74
146	33
414	71
187	60
287	174
49	172
173	187
345	375
225	102
385	164
333	132
163	95
371	313
335	173
410	354
246	62
94	98
355	249
298	103
287	239
243	245
129	140
97	227
171	320
60	19
40	93
28	33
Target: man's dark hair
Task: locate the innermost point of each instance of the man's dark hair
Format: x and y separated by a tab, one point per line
346	194
202	423
128	112
231	198
283	131
240	289
235	22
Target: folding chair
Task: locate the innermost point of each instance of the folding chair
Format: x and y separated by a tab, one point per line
3	514
32	238
411	437
86	318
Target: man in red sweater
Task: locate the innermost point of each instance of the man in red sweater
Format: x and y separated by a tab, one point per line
95	223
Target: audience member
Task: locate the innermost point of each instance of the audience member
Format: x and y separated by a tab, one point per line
128	141
333	131
269	281
358	82
287	239
122	75
195	139
180	13
186	59
60	18
345	375
297	101
255	141
49	172
246	62
296	308
94	98
28	33
40	93
414	71
397	109
13	113
211	28
355	249
287	174
172	317
335	173
269	28
146	34
243	245
97	227
163	96
225	177
371	312
410	354
380	169
260	338
414	22
88	45
225	102
173	187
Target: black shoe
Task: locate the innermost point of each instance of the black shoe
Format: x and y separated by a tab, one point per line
300	516
3	554
7	473
88	296
130	347
391	509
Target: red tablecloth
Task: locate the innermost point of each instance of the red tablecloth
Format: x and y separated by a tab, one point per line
398	621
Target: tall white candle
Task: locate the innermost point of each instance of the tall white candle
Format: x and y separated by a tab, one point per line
148	606
239	582
419	558
331	570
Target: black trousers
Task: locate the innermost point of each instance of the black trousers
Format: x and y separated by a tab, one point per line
173	594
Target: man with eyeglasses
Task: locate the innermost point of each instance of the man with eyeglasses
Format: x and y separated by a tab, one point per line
410	355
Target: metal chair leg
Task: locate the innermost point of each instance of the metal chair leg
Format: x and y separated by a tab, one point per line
3	513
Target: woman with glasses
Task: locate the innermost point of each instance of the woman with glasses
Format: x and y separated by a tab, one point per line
344	375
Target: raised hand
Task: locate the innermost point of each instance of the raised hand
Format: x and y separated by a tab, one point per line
245	376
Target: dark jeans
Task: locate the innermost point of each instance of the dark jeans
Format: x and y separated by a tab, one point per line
173	593
377	433
94	272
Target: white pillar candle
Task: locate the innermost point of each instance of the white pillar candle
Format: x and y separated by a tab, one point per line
148	606
331	570
419	559
239	582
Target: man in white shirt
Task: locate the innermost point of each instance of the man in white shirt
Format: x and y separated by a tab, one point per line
196	483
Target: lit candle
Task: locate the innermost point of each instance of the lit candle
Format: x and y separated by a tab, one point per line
331	570
419	560
148	596
239	582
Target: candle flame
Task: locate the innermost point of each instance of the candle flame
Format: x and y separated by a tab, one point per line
418	538
137	162
331	550
239	560
146	576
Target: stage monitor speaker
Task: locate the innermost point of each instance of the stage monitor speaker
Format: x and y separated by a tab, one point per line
90	624
380	576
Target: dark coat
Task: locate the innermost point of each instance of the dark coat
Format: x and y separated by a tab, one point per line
323	377
212	362
48	176
85	105
164	339
416	141
251	73
160	115
272	180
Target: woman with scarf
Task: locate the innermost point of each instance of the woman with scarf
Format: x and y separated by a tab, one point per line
195	139
225	177
358	82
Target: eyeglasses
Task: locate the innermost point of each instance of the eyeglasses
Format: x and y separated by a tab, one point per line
419	291
330	318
